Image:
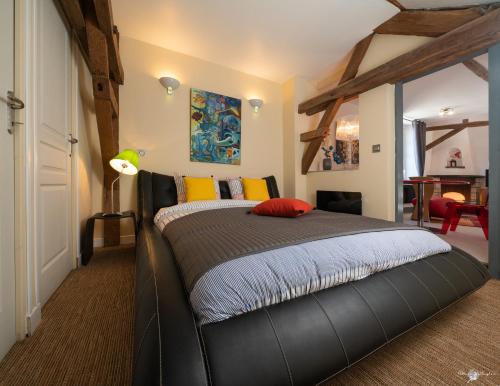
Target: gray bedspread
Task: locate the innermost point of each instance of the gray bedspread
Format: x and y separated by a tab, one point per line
204	240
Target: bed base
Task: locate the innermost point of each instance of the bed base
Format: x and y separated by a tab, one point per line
304	341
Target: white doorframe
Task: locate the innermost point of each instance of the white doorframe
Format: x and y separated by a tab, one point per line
21	166
28	307
75	181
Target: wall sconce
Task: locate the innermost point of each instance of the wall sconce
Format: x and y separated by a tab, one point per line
256	104
170	84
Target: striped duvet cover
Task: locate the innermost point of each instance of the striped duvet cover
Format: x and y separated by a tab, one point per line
261	279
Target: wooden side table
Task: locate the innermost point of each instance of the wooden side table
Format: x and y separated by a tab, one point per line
88	242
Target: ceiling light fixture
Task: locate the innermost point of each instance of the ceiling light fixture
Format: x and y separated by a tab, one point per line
170	84
256	104
446	111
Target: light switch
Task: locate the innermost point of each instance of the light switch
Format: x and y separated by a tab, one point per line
376	148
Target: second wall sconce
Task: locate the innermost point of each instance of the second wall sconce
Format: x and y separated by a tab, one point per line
170	84
256	104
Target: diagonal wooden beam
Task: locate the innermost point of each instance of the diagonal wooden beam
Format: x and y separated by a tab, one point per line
311	151
310	154
320	132
471	38
432	23
462	125
324	123
356	58
396	3
477	68
448	135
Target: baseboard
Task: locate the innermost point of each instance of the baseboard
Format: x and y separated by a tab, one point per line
34	319
125	239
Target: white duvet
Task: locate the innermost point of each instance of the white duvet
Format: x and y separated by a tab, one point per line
262	279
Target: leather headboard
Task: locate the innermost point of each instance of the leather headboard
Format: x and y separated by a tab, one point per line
156	191
164	191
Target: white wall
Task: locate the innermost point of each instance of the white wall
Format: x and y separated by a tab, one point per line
295	91
375	177
89	165
473	142
160	123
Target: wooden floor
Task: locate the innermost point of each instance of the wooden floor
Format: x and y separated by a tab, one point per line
85	337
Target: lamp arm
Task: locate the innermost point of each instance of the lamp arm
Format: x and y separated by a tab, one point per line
112	193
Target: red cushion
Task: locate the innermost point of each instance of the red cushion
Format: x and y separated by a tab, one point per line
282	207
437	206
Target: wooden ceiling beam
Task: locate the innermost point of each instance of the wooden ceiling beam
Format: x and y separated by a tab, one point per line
358	53
432	23
396	3
324	123
455	129
462	125
477	68
442	139
104	15
323	106
468	39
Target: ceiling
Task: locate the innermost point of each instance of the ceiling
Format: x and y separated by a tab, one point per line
455	87
272	39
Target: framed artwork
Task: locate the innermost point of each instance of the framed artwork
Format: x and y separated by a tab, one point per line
337	153
215	128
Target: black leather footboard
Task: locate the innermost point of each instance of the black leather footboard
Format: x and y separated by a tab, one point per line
299	342
307	340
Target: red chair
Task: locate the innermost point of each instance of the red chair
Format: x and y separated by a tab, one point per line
455	211
438	206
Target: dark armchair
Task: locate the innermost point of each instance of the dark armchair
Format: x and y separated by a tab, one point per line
342	202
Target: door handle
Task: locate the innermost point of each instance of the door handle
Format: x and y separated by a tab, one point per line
71	139
13	102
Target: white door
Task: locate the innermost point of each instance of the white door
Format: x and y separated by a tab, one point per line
53	180
7	273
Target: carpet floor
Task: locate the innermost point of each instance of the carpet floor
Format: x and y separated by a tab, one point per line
85	337
86	333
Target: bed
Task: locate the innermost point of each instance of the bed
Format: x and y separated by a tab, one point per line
196	324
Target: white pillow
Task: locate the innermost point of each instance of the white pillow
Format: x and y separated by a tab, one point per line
236	188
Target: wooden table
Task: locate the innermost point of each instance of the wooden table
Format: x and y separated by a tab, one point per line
88	243
420	196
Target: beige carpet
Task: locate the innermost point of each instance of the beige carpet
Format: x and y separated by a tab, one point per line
86	338
443	350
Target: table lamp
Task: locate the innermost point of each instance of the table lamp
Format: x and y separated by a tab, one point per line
125	162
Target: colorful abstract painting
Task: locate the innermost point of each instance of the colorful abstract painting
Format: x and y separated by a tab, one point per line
215	128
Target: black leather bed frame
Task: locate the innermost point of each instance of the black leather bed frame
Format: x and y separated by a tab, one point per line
304	341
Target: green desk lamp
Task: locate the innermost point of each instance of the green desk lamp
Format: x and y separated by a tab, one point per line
125	162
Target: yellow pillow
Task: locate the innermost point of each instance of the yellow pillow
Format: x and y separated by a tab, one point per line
199	189
255	189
